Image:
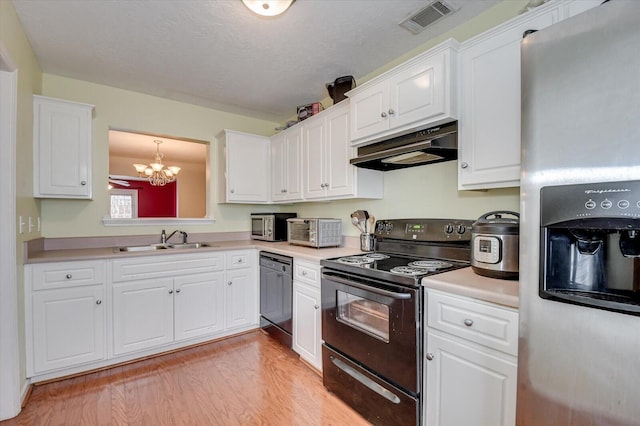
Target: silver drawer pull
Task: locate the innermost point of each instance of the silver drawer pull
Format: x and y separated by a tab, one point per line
468	322
98	302
429	356
365	380
69	276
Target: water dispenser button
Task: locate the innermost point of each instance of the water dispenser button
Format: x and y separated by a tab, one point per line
591	204
606	204
623	204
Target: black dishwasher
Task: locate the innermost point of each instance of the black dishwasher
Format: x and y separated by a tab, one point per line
276	290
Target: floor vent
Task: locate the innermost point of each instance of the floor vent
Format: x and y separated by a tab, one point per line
422	18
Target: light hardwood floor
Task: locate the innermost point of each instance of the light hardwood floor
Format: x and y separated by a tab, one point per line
244	380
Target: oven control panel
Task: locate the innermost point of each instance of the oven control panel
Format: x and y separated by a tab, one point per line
434	230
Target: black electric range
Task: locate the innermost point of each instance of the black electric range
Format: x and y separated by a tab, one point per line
407	250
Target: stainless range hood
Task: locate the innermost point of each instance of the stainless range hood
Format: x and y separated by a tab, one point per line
426	146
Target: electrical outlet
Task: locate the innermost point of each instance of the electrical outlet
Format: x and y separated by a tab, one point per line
30	224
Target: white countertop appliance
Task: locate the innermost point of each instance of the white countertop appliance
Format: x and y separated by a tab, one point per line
315	232
580	220
495	240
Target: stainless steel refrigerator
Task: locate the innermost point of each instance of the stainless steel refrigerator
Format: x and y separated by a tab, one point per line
579	348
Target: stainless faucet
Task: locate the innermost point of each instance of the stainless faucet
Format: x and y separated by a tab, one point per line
164	238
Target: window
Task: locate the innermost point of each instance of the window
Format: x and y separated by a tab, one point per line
124	203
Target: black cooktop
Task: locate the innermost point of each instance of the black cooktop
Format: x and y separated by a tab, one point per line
403	270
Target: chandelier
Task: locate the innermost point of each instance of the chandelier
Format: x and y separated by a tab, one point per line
156	172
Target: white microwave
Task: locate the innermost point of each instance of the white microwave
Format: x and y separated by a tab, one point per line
315	232
270	226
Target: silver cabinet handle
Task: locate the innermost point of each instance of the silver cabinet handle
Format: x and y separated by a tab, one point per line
98	302
232	191
316	307
284	190
83	183
304	273
429	356
383	114
468	322
69	276
464	165
391	111
170	291
230	282
177	290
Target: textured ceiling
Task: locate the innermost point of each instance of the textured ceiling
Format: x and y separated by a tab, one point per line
218	54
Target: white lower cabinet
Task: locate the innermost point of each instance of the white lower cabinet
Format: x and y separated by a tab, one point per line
68	327
142	315
199	305
307	312
471	363
144	305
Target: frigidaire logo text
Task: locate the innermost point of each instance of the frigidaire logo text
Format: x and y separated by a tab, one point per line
605	191
428	131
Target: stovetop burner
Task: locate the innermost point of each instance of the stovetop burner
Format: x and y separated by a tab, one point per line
363	259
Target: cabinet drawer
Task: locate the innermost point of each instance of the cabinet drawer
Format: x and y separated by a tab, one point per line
307	272
240	259
67	274
161	266
480	322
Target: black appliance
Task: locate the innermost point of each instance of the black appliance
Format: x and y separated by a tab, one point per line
270	226
276	296
420	147
372	315
590	245
339	87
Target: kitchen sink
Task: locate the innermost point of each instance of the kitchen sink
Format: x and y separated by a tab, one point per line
154	247
189	245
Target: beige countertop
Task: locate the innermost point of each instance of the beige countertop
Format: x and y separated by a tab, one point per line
465	282
284	248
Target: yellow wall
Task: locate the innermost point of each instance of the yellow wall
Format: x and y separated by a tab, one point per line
14	44
123	109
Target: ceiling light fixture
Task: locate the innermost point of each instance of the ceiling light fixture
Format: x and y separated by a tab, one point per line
268	7
157	174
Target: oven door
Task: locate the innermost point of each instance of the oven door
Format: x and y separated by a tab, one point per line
375	323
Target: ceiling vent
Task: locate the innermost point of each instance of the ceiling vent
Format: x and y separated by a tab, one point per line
423	17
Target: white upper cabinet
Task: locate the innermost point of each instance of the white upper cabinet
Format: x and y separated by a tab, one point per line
489	124
326	151
244	158
286	171
62	136
420	92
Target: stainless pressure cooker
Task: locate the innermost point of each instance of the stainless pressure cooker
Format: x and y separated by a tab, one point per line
494	245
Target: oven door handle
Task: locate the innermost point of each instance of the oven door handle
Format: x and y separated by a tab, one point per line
376	290
385	393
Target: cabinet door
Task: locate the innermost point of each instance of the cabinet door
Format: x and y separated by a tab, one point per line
468	386
62	149
314	157
340	173
307	323
142	315
68	327
241	295
292	167
418	93
198	305
369	111
247	167
489	125
278	164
